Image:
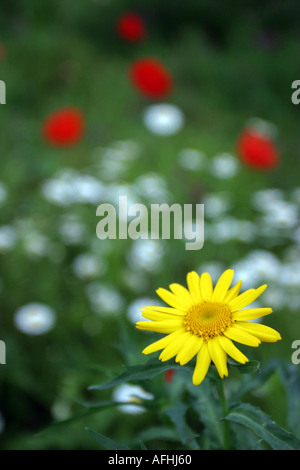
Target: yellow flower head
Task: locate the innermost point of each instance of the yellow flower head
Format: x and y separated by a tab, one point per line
203	321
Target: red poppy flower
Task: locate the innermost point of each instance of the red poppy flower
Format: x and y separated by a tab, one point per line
169	375
64	127
131	27
151	78
257	150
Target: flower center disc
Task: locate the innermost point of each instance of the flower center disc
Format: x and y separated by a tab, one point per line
208	319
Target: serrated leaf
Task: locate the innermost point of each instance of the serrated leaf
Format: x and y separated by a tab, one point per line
106	442
262	425
208	410
291	379
249	368
146	371
177	415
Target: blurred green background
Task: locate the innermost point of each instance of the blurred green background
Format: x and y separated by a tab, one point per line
230	62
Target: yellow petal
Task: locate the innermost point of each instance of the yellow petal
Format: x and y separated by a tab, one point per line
241	336
232	350
158	308
193	282
167	326
173	348
189	349
162	343
218	356
172	299
202	364
222	286
233	292
251	313
206	286
262	332
246	298
181	292
158	316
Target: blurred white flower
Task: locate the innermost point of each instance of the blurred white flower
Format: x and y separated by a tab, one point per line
112	169
70	186
116	190
134	312
113	161
72	230
36	244
35	318
244	270
133	396
216	204
229	228
221	231
265	264
224	166
282	215
121	150
290	274
275	297
257	267
246	231
58	192
192	159
163	119
113	165
153	187
266	198
61	410
88	266
8	238
262	127
146	255
87	189
128	149
104	299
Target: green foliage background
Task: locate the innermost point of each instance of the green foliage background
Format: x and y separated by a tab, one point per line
230	62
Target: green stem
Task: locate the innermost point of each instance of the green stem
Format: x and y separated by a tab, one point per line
223	400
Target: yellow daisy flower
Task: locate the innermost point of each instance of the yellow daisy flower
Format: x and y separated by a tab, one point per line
204	321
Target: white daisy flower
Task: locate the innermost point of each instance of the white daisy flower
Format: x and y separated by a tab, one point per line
224	166
163	119
8	238
131	393
35	319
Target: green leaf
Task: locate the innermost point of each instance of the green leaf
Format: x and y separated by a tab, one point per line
143	446
177	415
249	368
158	433
208	409
93	409
106	442
146	371
262	425
291	379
